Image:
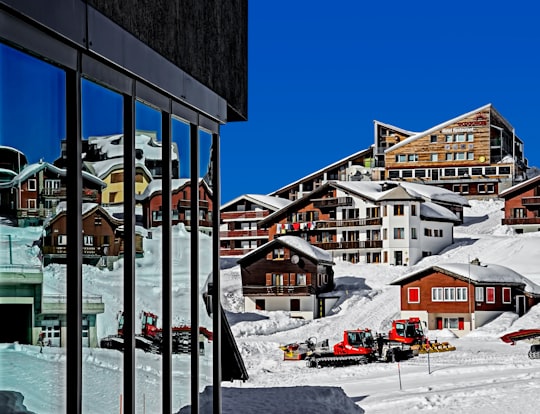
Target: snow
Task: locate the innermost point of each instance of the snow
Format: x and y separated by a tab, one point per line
483	375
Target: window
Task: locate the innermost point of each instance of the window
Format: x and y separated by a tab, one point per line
413	233
406	173
491	170
479	294
461	294
420	173
401	158
428	232
490	295
476	171
295	305
448	138
463	171
278	253
301	279
451	323
449	294
88	240
433	139
459	156
412	157
504	170
32	184
519	213
399	209
260	304
31	204
413	294
117	177
460	137
449	172
449	156
437	294
399	233
434	157
393	174
470	156
506	295
486	188
470	137
385	234
62	240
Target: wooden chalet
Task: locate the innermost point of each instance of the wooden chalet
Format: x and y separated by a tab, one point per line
239	234
287	274
372	221
464	296
476	154
522	206
33	194
152	204
102	236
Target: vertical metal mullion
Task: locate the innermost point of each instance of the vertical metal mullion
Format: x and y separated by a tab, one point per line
166	258
129	251
216	285
74	247
194	271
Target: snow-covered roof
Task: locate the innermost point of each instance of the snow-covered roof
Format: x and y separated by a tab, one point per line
519	186
434	193
156	185
298	244
112	146
395	128
341	161
32	169
271	202
478	273
103	168
436	128
429	210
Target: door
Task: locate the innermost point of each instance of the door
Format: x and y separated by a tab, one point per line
398	258
435	174
439	323
521	305
51	329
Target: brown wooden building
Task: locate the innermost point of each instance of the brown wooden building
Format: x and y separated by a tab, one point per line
463	296
152	204
476	154
239	234
522	206
102	236
35	192
287	274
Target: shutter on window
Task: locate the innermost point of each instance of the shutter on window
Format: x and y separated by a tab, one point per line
308	279
269	279
293	279
269	256
286	279
287	254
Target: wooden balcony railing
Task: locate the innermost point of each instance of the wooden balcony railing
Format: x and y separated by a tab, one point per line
236	215
274	290
366	244
377	221
243	233
530	201
333	202
518	221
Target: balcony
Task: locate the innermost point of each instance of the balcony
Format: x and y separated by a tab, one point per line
530	201
225	252
278	290
521	221
236	234
343	245
54	304
240	215
377	221
332	202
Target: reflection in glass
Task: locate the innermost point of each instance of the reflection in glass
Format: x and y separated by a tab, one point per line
32	125
181	253
205	255
102	224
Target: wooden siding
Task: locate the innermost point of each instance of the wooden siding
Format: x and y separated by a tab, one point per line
423	147
437	279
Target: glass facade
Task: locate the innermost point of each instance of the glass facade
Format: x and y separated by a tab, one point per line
108	200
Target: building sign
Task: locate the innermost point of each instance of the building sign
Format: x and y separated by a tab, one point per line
456	130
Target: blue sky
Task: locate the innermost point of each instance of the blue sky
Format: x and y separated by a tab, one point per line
321	72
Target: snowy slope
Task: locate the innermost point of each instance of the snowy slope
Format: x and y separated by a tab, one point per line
482	375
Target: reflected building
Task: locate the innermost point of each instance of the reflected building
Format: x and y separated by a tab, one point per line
81	70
